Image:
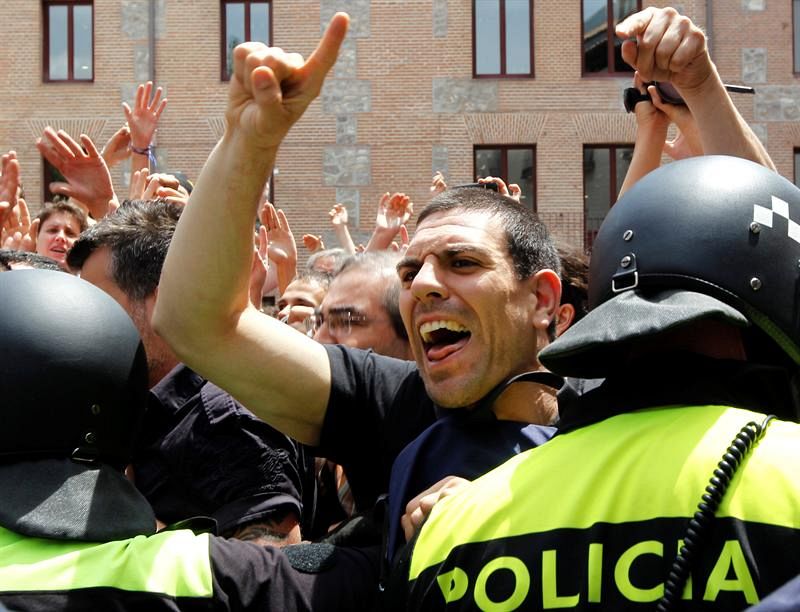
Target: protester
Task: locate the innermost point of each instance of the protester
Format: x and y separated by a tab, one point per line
184	464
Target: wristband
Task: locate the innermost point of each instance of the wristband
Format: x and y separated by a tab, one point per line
148	150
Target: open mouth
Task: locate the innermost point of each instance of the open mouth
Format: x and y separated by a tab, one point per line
443	338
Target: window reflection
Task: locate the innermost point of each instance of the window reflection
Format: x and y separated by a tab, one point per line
487	37
259	22
244	21
599	20
68	41
513	164
518	37
82	42
234	30
520	171
604	170
58	59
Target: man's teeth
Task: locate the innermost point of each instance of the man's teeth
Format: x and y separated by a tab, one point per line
426	329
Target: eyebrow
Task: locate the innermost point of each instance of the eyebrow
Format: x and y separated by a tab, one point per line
448	253
344	309
407	262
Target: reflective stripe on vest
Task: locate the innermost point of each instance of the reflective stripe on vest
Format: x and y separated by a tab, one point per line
601	473
174	563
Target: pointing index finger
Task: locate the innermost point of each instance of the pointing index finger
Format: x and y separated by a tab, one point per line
324	56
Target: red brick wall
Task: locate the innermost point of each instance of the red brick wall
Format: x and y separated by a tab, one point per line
559	108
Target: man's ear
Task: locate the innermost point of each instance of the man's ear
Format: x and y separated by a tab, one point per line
546	285
564	318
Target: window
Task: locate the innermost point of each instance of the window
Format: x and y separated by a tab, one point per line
600	17
604	170
502	33
513	164
242	22
797	167
68	40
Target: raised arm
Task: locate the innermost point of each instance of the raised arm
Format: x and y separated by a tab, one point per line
663	45
87	175
143	122
393	212
338	215
202	309
281	247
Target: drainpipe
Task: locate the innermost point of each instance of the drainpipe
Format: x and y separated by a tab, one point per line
152	39
151	43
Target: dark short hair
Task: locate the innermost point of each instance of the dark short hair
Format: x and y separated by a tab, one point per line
138	235
34	260
63	206
527	238
574	279
381	264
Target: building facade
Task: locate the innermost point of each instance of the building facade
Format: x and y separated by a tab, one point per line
529	89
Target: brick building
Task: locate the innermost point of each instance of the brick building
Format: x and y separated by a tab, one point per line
540	100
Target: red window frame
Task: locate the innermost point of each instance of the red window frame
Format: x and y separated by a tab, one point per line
610	27
224	76
502	74
613	187
46	4
504	149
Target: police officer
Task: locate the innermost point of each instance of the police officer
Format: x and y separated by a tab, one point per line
670	486
75	534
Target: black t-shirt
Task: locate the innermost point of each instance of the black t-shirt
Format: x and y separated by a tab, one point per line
377	406
203	453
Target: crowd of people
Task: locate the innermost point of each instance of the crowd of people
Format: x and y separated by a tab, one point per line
472	417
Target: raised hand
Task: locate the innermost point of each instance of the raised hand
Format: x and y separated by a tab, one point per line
88	178
9	185
338	215
270	89
687	142
313	242
663	45
21	232
512	190
393	212
260	267
282	249
165	186
143	117
438	184
117	149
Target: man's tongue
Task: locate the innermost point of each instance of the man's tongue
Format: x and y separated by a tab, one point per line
444	343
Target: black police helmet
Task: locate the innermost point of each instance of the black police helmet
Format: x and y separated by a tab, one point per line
707	237
73	372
